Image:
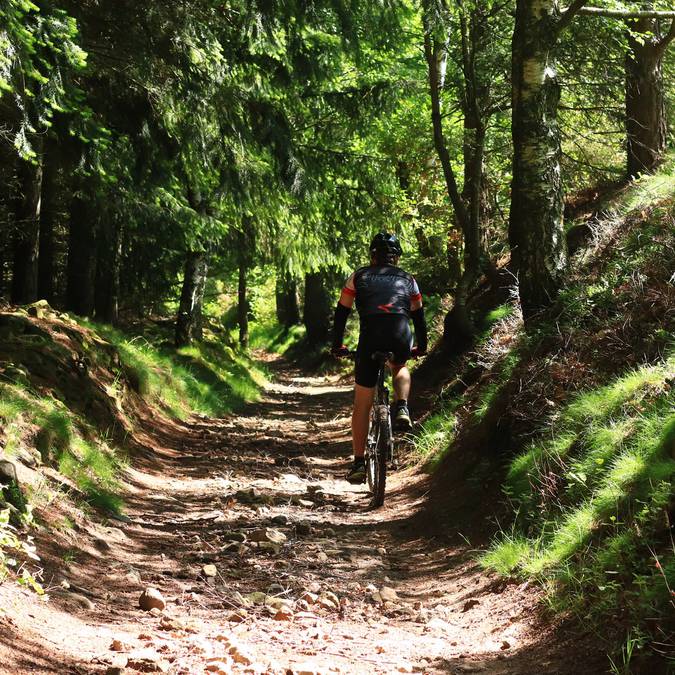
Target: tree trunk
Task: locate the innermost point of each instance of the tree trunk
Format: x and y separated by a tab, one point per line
242	301
288	311
199	307
27	222
319	304
48	218
81	267
109	253
188	321
646	126
536	235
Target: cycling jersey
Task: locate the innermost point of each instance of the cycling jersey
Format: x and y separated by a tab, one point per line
382	290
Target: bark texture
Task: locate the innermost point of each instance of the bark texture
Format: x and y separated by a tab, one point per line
536	236
27	224
646	121
458	326
288	310
188	321
319	305
48	221
81	266
109	254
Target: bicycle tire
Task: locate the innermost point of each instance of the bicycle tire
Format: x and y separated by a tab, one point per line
371	453
379	461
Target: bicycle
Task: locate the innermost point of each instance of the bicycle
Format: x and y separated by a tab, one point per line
380	439
380	443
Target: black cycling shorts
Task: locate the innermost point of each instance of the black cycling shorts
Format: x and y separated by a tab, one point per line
381	333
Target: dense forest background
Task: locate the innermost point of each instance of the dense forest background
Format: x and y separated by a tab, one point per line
202	158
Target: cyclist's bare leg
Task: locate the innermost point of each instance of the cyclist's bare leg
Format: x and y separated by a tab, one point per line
363	402
401	381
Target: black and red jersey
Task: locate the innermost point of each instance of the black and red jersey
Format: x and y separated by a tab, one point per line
383	289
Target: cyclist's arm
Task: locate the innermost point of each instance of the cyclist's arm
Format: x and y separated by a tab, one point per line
417	315
342	310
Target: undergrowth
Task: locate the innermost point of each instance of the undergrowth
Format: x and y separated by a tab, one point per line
592	491
65	440
594	502
82	442
207	378
435	439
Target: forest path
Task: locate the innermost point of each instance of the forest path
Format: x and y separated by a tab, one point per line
302	599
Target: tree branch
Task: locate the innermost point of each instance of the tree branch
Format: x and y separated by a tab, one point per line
621	13
667	38
568	14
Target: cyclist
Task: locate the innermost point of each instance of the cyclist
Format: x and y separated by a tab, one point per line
386	298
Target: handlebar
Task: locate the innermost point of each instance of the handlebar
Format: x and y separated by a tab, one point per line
376	356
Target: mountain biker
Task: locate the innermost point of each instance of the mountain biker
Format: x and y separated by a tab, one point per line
386	298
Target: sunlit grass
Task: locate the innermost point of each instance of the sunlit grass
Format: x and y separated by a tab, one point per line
207	378
276	338
436	436
506	556
93	466
592	531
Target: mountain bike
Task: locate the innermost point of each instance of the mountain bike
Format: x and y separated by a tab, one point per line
380	443
380	439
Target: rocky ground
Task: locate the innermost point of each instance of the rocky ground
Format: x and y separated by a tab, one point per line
243	550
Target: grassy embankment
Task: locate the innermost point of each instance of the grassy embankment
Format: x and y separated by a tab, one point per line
70	396
592	431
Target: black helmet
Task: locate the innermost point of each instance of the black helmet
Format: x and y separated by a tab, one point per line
385	243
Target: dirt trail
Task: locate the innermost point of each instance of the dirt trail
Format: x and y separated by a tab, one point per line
209	484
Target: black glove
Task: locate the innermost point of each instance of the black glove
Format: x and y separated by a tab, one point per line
416	352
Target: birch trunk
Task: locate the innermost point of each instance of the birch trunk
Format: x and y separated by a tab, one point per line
188	321
536	236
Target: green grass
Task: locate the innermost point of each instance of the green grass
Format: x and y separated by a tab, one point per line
434	441
594	531
275	338
64	440
593	491
498	314
207	378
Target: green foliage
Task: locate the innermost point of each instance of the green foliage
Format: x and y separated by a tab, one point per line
593	492
276	338
435	438
65	441
208	378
